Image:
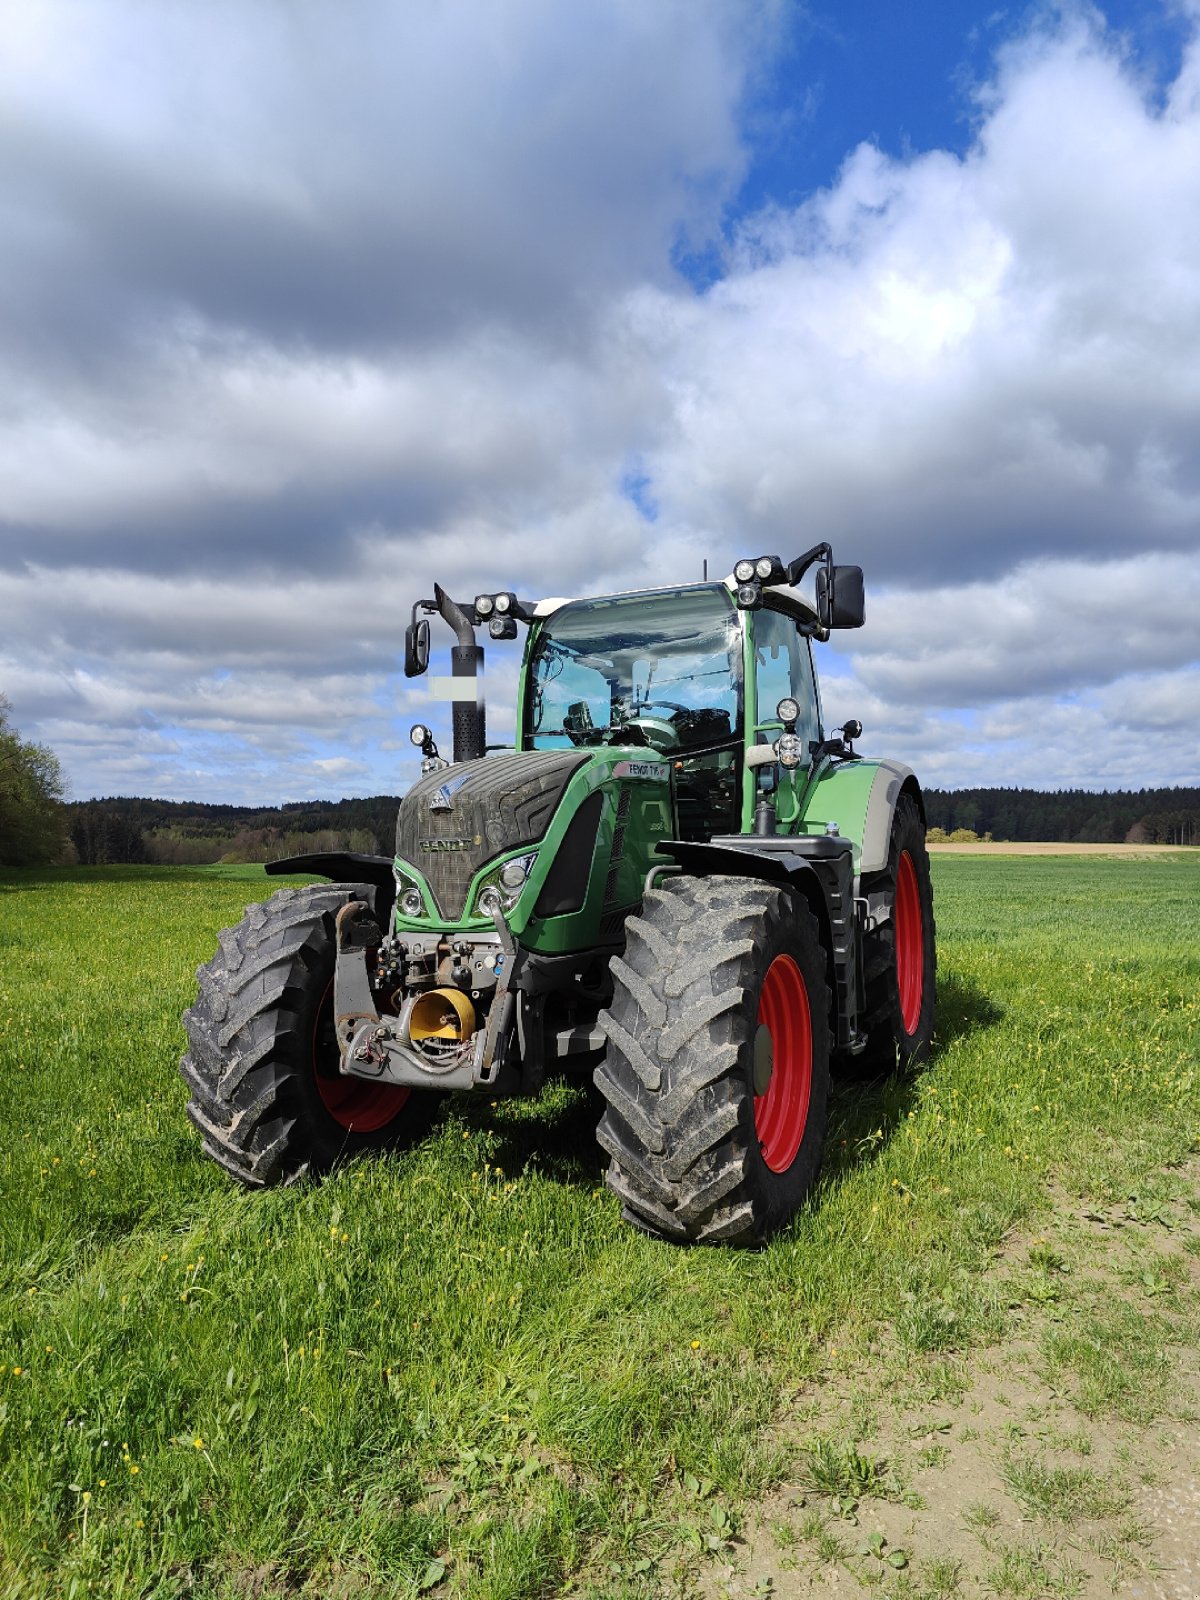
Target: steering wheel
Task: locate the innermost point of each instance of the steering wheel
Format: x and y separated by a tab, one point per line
671	705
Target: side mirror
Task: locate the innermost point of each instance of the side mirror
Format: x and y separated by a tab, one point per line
416	649
840	599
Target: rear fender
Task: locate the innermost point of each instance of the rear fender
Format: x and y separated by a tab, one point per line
860	797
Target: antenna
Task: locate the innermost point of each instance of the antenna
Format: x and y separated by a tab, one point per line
706	569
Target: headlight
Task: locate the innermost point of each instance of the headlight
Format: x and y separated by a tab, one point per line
503	603
764	567
789	750
410	901
418	734
483	605
749	595
502	887
744	571
513	874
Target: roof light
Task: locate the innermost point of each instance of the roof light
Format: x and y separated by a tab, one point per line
504	603
483	605
764	567
744	571
749	596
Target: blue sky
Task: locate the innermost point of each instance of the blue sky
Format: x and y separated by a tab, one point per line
298	317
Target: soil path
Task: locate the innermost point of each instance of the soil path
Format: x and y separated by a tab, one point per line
1063	1461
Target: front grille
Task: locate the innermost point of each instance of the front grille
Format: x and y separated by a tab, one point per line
496	805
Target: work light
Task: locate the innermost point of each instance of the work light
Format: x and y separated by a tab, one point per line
744	571
419	734
789	750
483	605
788	711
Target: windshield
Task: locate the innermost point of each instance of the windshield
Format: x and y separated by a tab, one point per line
660	669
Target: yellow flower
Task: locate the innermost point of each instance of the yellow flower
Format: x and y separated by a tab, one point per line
104	1483
86	1496
198	1442
133	1467
139	1523
695	1344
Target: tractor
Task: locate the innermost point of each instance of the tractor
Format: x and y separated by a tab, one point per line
676	882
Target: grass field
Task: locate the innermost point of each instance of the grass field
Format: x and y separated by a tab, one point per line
455	1371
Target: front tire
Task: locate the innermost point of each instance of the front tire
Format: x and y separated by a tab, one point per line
900	956
717	1065
262	1054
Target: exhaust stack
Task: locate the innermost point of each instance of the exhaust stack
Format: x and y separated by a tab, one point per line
466	661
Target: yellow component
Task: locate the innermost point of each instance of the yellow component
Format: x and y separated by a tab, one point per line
442	1014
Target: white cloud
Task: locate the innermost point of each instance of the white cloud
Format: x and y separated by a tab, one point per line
297	318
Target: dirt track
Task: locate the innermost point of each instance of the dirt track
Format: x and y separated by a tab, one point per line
1129	852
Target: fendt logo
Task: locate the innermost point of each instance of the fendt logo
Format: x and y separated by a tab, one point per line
441	797
433	846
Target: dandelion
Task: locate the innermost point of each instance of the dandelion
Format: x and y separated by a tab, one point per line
198	1443
104	1483
695	1344
133	1467
139	1523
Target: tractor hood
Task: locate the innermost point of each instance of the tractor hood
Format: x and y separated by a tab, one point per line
453	821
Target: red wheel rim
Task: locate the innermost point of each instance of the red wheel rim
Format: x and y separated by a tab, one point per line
781	1112
910	943
355	1105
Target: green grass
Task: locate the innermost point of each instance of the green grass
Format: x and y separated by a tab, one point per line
456	1368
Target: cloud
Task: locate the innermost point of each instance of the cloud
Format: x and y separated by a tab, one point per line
298	317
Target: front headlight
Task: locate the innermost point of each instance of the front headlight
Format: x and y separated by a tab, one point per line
501	888
410	898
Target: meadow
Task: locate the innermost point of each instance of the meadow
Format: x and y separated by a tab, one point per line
454	1371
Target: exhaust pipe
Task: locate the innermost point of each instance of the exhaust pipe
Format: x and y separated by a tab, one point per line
466	661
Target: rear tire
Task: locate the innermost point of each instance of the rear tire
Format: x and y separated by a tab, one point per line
900	956
717	1065
262	1055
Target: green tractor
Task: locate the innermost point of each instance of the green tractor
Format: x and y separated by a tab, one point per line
677	882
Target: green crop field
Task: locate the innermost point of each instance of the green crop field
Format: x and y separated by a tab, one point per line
454	1370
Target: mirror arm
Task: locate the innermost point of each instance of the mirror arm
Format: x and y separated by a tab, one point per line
798	567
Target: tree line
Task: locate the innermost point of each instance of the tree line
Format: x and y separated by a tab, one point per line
1070	816
181	832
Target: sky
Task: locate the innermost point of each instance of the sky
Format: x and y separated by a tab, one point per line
304	307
